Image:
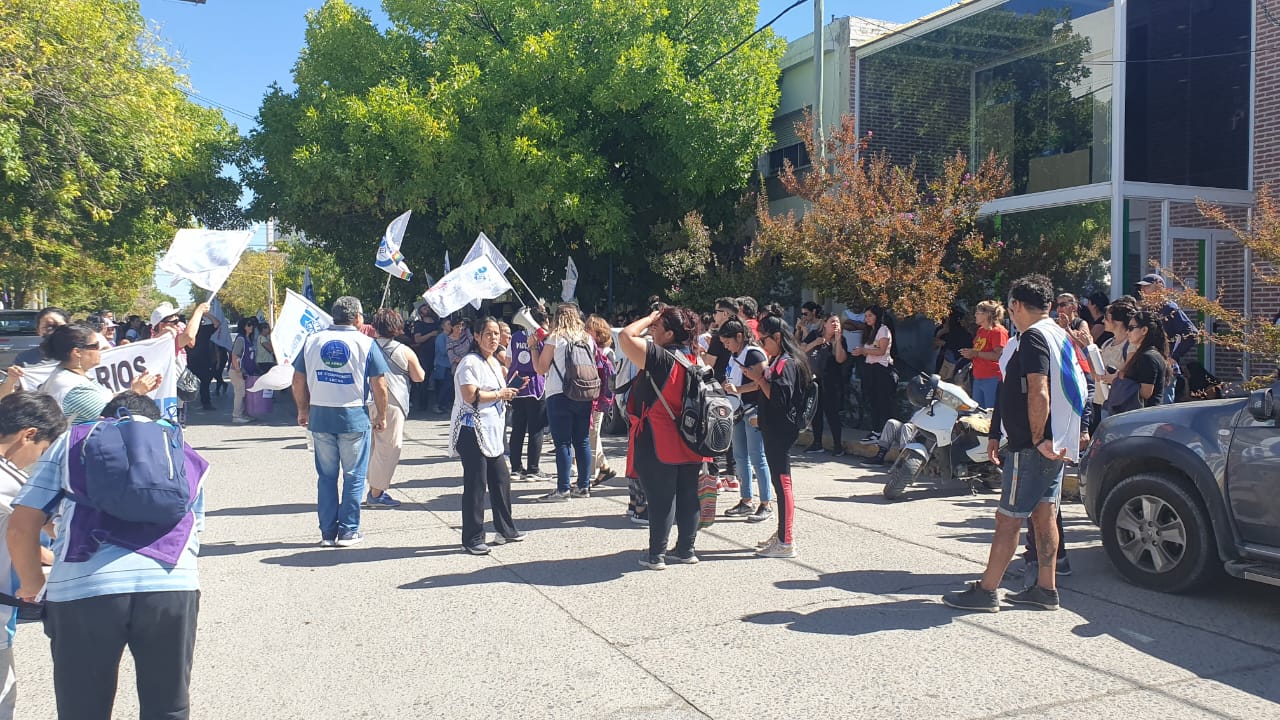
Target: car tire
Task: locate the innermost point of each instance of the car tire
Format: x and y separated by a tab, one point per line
1158	535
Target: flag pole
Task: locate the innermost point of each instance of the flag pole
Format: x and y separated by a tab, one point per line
526	285
385	291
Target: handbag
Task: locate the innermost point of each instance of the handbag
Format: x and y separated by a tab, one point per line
1124	396
188	385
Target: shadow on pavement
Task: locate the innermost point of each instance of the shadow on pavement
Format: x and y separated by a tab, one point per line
333	557
229	548
287	509
548	573
915	614
880	582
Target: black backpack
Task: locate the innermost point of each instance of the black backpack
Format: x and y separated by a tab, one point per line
804	405
706	416
581	379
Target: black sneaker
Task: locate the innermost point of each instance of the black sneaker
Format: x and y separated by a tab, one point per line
762	513
839	452
580	492
815	448
877	459
975	598
555	496
477	549
743	508
1064	566
1035	595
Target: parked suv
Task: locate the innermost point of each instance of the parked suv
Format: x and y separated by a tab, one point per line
1184	492
18	333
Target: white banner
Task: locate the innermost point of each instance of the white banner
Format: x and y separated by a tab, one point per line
472	282
205	257
299	318
570	284
121	365
389	257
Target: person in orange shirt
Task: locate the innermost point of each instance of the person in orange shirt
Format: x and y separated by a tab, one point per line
987	345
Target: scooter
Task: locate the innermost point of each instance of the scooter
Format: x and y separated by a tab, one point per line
950	440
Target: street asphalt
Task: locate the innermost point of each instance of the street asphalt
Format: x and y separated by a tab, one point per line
568	625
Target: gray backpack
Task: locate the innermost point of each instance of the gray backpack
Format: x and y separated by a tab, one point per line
581	377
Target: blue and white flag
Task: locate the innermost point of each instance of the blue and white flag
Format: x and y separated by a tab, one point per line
298	319
470	283
308	290
389	257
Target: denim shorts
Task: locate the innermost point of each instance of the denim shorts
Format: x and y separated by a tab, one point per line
1029	479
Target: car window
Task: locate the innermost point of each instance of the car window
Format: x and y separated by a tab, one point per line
18	323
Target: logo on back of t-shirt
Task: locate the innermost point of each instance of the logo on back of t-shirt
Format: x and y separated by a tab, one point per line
335	354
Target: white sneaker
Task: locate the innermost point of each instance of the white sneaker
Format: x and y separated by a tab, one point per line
778	550
773	539
241	420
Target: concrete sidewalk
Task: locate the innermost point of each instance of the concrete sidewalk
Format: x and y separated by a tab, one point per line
567	624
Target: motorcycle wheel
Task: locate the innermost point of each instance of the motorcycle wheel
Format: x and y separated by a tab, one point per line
902	474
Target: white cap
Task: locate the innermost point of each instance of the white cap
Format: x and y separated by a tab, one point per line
165	310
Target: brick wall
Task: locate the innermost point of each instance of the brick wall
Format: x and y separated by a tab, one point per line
1265	299
915	109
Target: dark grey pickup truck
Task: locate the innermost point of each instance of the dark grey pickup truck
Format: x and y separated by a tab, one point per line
1184	492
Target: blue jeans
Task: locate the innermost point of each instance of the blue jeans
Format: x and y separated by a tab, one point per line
345	455
1170	390
570	422
748	453
443	378
984	392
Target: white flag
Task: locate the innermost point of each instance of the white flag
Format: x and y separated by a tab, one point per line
570	284
299	318
222	336
483	247
389	257
470	283
205	257
447	267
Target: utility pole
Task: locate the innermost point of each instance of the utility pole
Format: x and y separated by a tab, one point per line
819	11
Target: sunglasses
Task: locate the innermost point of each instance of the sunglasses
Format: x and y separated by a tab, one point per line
93	346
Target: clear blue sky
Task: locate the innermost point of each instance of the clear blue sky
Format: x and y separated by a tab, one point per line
233	50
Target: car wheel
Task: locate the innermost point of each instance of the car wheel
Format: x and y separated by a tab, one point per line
1157	535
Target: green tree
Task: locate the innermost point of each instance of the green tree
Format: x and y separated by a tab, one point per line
102	155
556	128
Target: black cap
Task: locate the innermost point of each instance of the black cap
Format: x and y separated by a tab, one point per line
1151	279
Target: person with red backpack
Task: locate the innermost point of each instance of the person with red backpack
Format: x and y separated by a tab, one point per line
657	454
782	384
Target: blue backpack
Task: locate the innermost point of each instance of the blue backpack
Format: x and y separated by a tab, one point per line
133	471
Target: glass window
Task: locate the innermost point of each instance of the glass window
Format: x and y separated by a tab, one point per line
1187	92
1071	244
1028	79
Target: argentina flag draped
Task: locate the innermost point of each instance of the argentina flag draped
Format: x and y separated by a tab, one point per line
389	257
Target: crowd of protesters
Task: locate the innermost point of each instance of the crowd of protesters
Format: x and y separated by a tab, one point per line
503	388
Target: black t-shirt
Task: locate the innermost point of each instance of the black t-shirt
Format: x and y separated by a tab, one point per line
1031	358
822	360
716	349
422	327
784	382
657	365
1148	369
754	357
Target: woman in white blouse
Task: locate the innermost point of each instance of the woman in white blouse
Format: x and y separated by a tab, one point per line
479	419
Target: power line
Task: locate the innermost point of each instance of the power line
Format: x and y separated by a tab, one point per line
747	39
200	98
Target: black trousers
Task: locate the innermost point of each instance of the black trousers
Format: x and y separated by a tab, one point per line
879	388
672	493
831	401
777	452
528	419
88	637
478	473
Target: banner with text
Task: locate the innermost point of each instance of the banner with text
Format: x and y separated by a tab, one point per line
120	366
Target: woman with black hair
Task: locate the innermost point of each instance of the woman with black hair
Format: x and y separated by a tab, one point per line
77	351
480	402
780	384
878	381
666	466
1148	364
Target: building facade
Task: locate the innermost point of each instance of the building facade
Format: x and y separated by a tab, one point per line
1114	117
